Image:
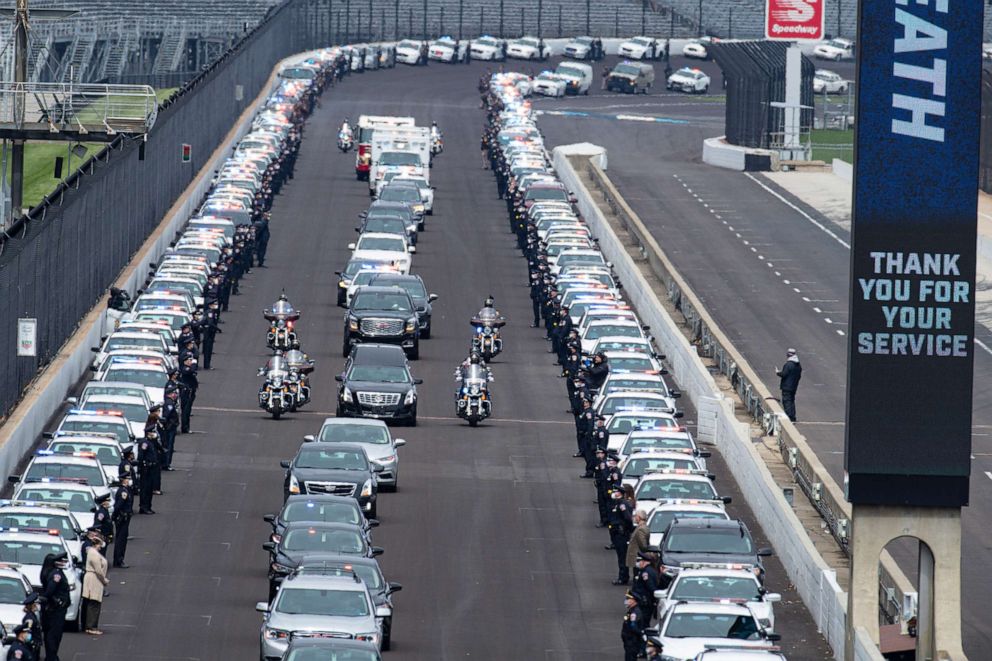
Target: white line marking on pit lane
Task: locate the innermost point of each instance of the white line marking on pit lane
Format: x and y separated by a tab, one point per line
796	289
988	475
802	213
988	350
817	310
840	332
788	282
806	298
761	257
770	265
778	274
827	319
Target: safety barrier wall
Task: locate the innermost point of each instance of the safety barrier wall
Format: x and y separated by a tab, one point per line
814	580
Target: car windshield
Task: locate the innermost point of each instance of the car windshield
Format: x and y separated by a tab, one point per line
408	43
621	424
641	41
325	512
118	429
709	540
633	384
151	342
627	69
318	457
393	158
632	363
330	541
573	72
486	41
400	194
175	321
107	455
352	433
381	243
150	378
638	467
329	603
329	654
843	45
580	258
12	590
92	475
712	625
707	588
661	443
27	553
413	286
362	278
632	403
98	388
77	501
133	412
386	225
620	345
545	193
381	301
298	73
48	521
379	374
610	330
190	288
669	489
660	520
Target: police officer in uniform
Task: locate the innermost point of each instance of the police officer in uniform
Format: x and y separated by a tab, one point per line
21	648
147	466
188	383
209	329
584	423
102	521
632	631
169	424
600	475
261	238
128	467
55	600
599	437
123	510
621	524
32	621
644	584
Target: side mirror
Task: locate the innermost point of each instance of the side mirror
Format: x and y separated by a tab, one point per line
417	382
395	587
309	438
262	607
71	400
705	454
337	273
674	394
95	349
269	518
765	553
772	598
14	479
284	464
373	523
383	611
660	594
678	414
432	298
727	500
351	246
773	637
377	551
338	378
399	442
269	546
412	250
358	229
378	468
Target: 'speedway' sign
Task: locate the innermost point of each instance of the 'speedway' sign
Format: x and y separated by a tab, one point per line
911	340
794	20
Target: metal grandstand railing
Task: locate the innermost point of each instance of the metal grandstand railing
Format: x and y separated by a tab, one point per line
102	110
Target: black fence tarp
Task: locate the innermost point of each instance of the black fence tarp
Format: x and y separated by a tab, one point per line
57	262
755	77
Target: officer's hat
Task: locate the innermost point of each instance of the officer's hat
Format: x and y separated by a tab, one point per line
652	641
20	628
125	474
601	417
155	409
30	599
61	556
600	449
103	498
629	595
641	555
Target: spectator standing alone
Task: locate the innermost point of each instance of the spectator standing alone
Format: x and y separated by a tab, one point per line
790	374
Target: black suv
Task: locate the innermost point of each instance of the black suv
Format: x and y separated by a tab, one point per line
382	314
376	383
709	541
382	208
341	469
414	286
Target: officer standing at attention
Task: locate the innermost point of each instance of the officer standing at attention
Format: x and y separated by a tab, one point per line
632	632
644	585
123	510
169	424
790	374
147	463
209	329
102	519
601	471
32	622
21	648
188	384
55	597
583	428
621	523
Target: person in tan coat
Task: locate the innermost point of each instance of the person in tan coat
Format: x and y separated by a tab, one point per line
640	539
94	581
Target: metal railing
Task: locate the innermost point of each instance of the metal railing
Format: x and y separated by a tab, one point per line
808	472
68	107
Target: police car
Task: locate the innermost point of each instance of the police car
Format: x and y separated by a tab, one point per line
27	548
720	583
104	447
580	48
634	361
408	51
111	388
836	49
729	653
134	409
828	82
640	48
390	248
313	604
639	464
689	80
688	629
670	484
619	402
47	516
126	341
625	422
79	467
548	83
527	48
150	374
14	587
95	422
663	515
487	48
77	496
159	327
447	49
173	316
696	48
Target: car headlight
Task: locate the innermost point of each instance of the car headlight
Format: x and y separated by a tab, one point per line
275	634
346	395
411	325
277	383
386	460
419	208
411	396
370	637
352	324
765	622
280	569
367	489
294	484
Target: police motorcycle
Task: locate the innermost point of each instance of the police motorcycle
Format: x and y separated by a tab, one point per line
472	401
437	140
487	323
300	365
275	394
282	318
345	140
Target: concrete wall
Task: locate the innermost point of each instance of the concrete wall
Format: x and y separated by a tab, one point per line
813	579
843	169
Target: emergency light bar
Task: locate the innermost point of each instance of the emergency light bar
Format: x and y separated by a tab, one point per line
50	480
694	501
49	531
734	566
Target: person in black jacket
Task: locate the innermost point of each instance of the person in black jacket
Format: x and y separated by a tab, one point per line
55	600
599	370
790	374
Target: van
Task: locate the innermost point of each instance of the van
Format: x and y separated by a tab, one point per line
631	78
579	75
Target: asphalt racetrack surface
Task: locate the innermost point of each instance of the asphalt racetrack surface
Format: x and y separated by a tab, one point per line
491	532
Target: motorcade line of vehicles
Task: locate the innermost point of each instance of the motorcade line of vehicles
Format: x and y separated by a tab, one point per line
711	592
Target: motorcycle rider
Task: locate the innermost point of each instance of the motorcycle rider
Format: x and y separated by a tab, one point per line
436	137
489	314
345	129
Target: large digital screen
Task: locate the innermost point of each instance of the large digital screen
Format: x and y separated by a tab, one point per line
911	338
